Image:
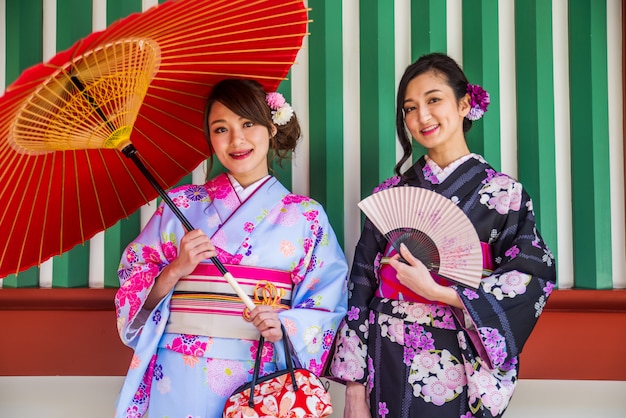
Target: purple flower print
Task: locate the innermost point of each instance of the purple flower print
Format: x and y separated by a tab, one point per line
491	336
490	174
390	182
353	314
156	318
426	342
411	340
382	409
429	175
470	294
497	356
196	193
307	304
512	252
548	288
409	354
158	372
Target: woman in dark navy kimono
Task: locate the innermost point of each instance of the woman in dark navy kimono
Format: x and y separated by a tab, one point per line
438	349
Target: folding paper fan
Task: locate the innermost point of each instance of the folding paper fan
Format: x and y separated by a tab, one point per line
432	227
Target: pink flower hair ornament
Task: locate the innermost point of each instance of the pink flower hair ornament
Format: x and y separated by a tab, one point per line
479	101
282	112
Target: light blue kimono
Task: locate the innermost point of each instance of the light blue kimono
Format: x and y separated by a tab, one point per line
179	375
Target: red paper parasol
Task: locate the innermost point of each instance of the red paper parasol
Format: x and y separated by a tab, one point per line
137	90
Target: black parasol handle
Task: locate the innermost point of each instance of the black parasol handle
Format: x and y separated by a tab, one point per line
131	152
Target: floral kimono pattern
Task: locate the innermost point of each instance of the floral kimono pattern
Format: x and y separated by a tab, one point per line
192	375
430	359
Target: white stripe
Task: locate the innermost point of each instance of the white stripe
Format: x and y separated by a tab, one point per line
146	4
508	94
300	102
99	15
45	273
565	255
199	174
96	261
49	29
351	127
616	138
146	212
454	30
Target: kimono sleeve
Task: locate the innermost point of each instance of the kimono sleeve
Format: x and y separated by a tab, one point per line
350	358
500	315
319	297
142	261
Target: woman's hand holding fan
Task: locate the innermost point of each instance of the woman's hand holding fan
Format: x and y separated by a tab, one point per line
432	227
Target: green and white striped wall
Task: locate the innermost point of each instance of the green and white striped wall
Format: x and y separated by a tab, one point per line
554	70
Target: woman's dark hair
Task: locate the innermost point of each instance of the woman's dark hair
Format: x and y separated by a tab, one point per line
246	98
438	63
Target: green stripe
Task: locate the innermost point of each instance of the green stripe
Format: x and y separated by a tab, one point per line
378	98
428	34
73	22
535	112
480	63
24	48
27	278
591	201
326	111
428	27
117	9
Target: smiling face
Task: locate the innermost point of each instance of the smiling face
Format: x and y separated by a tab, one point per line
434	117
239	144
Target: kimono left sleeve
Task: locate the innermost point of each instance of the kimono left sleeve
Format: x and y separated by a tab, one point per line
319	298
500	315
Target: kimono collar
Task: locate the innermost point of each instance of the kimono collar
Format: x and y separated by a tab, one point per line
441	174
242	192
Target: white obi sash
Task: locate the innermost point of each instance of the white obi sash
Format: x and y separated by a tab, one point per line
203	303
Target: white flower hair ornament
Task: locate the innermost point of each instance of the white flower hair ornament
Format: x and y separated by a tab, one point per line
282	112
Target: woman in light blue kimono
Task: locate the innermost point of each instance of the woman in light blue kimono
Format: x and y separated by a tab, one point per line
194	340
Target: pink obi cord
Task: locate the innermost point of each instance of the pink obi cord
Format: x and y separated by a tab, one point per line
391	288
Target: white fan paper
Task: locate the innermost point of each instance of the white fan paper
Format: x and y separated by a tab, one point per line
434	229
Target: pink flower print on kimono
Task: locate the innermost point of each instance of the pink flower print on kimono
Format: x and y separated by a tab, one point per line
169	249
130	290
502	193
191	345
224	193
